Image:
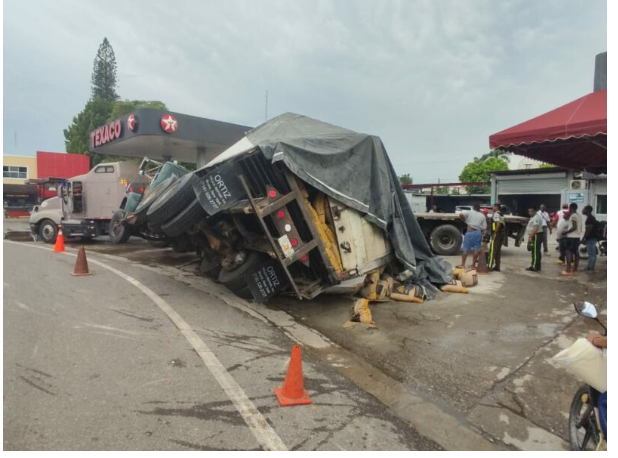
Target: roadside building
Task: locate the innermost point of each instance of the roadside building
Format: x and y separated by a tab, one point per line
521	189
26	180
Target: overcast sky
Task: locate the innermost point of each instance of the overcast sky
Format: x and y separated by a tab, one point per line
432	78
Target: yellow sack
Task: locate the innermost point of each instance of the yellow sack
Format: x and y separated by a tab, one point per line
469	278
455	287
360	312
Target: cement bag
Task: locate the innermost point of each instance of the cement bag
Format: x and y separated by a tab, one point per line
408	293
369	290
454	287
361	313
468	278
586	362
457	272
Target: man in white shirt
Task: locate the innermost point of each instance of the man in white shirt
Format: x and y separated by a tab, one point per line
573	236
546	227
476	223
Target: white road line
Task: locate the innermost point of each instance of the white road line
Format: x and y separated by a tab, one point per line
259	427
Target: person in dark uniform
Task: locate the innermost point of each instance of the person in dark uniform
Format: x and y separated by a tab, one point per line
498	232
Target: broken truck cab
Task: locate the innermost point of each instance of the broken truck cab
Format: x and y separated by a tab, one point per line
304	205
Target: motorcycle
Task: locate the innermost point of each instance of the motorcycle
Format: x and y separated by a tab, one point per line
585	430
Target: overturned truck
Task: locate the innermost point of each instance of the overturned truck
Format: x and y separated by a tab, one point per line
302	206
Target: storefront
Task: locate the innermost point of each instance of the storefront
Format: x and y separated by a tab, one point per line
522	189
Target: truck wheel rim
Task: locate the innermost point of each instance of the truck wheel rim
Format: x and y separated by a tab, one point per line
447	241
116	227
48	231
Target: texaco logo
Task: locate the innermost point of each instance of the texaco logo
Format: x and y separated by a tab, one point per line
132	123
169	124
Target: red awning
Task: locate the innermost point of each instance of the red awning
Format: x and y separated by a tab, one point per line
573	136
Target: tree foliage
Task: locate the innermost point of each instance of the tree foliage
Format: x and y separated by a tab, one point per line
481	171
102	107
405	179
96	113
104	80
124	107
505	155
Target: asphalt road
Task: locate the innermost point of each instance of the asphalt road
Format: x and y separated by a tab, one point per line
96	363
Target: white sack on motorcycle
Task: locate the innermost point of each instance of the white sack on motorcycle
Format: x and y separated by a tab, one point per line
587	362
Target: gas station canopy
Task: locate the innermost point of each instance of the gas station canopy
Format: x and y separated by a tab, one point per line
164	135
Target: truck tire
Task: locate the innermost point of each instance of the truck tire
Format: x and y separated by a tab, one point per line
446	240
118	232
173	200
184	220
142	208
233	279
210	268
48	230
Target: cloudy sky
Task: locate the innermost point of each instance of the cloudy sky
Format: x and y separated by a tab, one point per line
432	78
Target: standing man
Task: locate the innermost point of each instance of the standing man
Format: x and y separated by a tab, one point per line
546	227
535	234
498	232
476	226
573	236
591	237
559	218
561	229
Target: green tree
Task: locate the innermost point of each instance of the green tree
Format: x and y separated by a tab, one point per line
124	107
77	135
481	171
442	190
546	166
96	113
405	179
497	153
104	80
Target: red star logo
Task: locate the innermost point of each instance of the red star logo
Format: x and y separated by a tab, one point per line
169	124
132	123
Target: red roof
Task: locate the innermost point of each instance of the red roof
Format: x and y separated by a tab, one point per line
553	136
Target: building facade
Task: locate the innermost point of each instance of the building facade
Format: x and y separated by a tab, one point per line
522	189
24	178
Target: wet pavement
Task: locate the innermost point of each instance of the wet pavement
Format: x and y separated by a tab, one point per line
95	363
482	356
468	371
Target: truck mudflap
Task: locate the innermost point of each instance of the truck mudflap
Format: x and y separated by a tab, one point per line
267	280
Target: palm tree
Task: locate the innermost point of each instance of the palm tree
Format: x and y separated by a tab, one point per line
505	155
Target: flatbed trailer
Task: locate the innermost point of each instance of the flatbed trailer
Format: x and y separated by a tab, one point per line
444	231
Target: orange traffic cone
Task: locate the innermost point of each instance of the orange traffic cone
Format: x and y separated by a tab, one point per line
293	393
81	265
59	246
482	265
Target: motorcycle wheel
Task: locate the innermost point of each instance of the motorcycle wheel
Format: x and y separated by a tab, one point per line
584	433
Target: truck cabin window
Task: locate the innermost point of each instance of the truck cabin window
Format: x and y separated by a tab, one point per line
104	169
78	201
